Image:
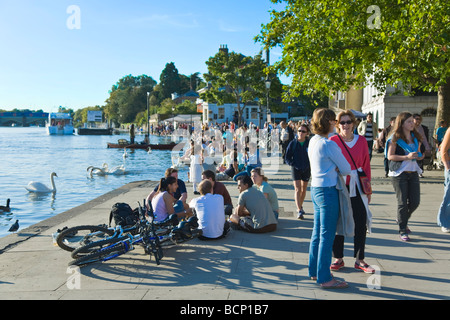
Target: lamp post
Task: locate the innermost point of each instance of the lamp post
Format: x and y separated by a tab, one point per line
148	118
173	118
268	83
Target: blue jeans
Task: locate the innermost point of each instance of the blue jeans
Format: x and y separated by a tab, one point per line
326	211
178	206
443	218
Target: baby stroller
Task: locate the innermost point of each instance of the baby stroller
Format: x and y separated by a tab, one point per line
436	158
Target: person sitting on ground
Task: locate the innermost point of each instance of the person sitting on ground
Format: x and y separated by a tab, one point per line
252	160
233	167
219	188
210	212
164	204
253	213
180	193
261	183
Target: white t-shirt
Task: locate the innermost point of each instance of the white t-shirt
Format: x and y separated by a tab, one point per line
210	213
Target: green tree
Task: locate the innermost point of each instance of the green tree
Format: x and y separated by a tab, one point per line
128	97
235	78
331	45
169	80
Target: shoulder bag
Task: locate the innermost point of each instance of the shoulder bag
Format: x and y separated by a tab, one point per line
363	178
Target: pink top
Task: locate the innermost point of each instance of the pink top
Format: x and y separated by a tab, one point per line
360	154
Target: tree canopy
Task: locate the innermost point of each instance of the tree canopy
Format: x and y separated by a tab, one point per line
235	78
331	45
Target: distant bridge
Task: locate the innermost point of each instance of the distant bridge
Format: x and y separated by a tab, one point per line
24	119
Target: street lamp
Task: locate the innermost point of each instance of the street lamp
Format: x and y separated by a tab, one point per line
148	118
268	83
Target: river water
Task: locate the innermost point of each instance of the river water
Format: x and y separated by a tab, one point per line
29	154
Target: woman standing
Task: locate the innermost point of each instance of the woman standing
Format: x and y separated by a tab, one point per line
403	151
355	150
260	183
443	218
196	167
297	158
326	159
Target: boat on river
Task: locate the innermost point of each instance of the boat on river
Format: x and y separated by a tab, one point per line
59	123
123	143
95	131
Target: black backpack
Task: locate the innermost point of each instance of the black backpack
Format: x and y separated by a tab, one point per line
123	215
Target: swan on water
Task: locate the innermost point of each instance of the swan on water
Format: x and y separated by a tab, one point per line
95	170
38	187
117	170
6	208
125	154
105	170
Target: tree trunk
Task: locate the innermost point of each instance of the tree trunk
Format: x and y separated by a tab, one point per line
443	109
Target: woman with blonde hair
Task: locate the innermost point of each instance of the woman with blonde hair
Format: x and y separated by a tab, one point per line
326	159
403	151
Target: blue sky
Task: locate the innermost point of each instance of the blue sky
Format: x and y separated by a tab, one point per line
45	64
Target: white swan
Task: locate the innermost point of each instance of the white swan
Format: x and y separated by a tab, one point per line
95	170
125	154
117	170
38	187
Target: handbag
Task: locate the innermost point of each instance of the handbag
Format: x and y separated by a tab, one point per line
363	178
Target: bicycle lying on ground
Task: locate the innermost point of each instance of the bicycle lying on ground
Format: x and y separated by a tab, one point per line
151	235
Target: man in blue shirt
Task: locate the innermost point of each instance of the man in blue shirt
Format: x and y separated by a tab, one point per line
440	132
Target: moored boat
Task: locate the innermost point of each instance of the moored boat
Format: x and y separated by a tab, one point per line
95	131
122	143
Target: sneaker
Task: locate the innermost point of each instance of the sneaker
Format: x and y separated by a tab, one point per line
404	237
446	230
336	266
366	268
301	214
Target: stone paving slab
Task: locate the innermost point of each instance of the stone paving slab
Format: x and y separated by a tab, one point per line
256	267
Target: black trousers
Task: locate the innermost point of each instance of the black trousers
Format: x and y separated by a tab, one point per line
359	241
407	189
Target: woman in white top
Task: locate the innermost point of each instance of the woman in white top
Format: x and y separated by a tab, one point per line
326	159
163	202
196	167
403	151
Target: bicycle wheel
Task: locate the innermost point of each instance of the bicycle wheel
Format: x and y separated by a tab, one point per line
102	255
95	246
72	238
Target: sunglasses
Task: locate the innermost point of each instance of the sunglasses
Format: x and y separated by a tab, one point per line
346	122
303	131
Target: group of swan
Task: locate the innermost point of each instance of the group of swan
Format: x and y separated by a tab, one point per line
104	170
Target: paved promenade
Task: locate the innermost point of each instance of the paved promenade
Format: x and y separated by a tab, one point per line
245	266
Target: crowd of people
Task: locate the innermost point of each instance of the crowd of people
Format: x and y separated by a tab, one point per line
331	153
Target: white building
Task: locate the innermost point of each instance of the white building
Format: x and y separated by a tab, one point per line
226	113
383	106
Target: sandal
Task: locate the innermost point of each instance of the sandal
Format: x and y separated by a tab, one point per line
336	285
